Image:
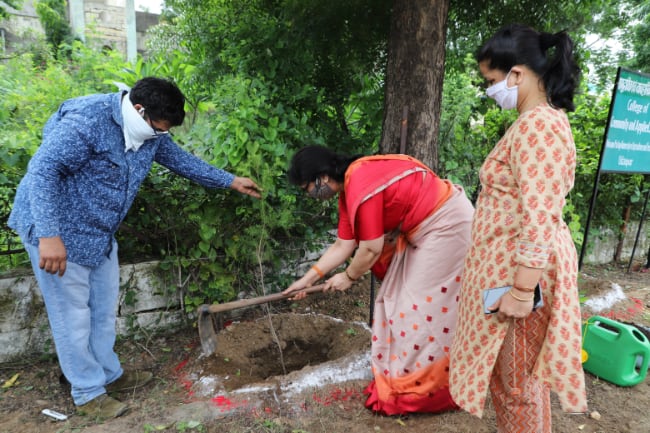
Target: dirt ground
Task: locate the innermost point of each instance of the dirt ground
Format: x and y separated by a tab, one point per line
314	384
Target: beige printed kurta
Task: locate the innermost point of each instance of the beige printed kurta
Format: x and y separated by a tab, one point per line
518	220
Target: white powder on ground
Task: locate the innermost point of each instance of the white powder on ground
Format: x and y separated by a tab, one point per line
607	300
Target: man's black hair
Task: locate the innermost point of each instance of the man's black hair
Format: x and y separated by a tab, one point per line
161	99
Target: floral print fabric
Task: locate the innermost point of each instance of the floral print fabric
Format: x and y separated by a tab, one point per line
518	221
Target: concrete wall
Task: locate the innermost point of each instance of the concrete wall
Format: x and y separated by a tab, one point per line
601	247
146	302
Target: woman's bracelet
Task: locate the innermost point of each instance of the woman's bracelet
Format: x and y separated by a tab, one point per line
318	271
521	299
348	275
524	289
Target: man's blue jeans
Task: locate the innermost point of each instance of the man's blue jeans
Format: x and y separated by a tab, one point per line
81	308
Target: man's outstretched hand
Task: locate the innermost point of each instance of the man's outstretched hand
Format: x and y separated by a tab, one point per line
246	186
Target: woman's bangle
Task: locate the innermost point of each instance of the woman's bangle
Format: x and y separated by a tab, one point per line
524	289
348	275
521	299
318	271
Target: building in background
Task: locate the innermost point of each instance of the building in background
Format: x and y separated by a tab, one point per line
104	23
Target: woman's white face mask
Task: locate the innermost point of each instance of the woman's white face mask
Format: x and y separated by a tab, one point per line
505	97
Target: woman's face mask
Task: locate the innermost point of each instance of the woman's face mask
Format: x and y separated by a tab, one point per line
321	191
505	97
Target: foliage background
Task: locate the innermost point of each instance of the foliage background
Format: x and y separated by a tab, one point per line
264	78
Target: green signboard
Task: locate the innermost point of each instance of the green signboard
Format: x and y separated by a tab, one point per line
627	139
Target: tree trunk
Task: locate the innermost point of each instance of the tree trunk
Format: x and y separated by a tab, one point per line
414	74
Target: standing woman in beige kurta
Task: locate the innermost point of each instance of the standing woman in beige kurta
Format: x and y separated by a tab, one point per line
519	239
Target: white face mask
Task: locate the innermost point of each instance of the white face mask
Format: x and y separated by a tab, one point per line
136	129
505	97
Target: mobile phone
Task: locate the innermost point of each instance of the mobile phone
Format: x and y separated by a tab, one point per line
490	296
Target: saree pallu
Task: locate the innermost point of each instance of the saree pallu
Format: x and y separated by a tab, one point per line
415	313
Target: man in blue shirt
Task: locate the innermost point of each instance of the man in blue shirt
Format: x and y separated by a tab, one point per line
96	151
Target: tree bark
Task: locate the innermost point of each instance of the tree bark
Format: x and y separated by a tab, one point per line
414	75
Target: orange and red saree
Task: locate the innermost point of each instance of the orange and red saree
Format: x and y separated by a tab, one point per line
415	308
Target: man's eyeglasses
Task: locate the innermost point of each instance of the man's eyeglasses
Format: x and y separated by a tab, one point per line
156	131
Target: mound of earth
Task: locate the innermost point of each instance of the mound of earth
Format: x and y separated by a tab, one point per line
271	347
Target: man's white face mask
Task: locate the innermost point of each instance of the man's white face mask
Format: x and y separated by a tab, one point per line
505	97
136	129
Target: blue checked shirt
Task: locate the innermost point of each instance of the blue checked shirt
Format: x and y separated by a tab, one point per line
80	183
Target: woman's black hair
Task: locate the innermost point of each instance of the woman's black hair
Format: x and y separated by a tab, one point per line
162	99
311	162
549	55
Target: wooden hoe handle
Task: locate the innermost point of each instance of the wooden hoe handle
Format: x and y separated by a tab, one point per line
218	308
